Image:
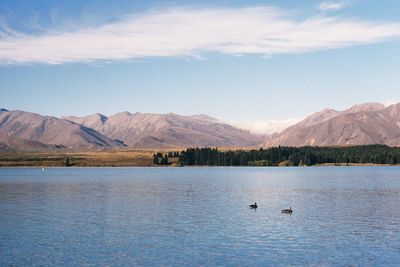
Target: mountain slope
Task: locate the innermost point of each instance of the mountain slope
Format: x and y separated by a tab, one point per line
144	130
365	107
19	126
93	121
319	117
360	125
12	144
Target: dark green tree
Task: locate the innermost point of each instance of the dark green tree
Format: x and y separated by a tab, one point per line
67	162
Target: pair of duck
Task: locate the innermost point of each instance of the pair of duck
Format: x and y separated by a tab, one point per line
289	210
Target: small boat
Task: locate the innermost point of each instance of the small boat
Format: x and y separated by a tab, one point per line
289	210
253	206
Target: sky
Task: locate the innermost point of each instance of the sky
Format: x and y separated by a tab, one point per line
249	62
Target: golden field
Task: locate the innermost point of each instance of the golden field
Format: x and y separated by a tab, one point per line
118	158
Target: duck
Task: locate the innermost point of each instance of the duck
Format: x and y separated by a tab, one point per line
289	210
253	206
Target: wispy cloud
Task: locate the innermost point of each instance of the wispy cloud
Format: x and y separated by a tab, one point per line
190	32
328	6
265	127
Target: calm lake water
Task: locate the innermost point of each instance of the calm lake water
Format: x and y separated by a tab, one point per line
343	216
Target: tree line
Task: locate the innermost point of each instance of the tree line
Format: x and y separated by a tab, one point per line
283	156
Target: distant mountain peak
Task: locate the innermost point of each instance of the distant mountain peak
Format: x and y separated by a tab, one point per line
90	121
204	117
319	117
373	106
102	117
4	110
125	113
329	110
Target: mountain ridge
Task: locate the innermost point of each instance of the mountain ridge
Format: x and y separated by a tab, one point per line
48	130
148	130
369	123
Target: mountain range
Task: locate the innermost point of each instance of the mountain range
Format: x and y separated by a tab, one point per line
25	131
144	130
20	130
370	123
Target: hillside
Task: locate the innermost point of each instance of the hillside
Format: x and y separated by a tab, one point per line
144	130
21	130
369	123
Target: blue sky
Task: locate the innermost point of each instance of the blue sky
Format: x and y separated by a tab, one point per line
235	60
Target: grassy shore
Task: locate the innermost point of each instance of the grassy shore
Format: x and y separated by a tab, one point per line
78	159
111	158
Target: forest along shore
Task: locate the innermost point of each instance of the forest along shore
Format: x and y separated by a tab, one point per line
369	155
283	156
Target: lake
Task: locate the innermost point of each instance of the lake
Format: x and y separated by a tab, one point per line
342	216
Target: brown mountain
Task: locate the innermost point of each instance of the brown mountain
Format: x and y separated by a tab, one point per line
21	130
12	144
369	123
144	130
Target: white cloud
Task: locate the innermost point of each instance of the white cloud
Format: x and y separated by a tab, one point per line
390	102
191	32
328	6
265	127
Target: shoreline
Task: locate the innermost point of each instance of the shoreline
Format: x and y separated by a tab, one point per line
192	166
123	158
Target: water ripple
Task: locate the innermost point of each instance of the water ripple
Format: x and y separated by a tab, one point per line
200	217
